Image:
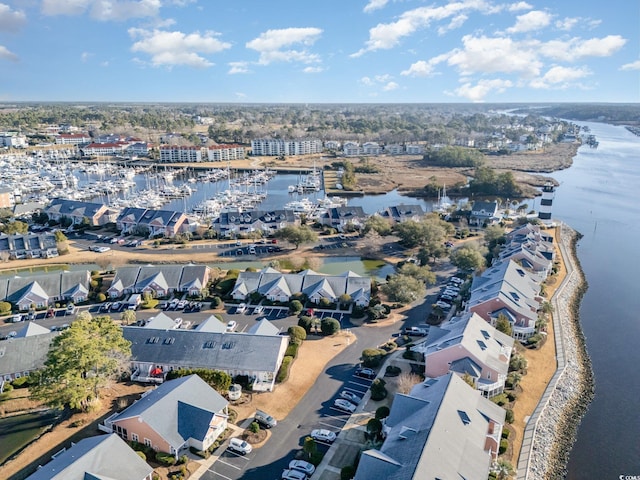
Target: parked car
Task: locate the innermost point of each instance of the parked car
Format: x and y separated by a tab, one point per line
344	405
258	310
241	308
16	318
456	280
352	397
365	373
265	420
239	446
416	331
443	305
293	475
105	307
232	325
71	309
305	467
181	304
116	306
323	435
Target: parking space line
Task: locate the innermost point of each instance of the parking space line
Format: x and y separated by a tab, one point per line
329	424
228	464
352	389
219	474
341	411
340	419
361	384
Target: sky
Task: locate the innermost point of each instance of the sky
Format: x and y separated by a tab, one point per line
320	51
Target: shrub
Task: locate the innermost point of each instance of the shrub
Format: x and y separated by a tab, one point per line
305	322
504	444
511	396
152	303
297	333
292	350
500	400
295	306
283	373
165	459
372	357
5	308
382	412
204	454
101	297
505	433
20	382
254	427
378	389
348	472
509	417
329	326
392	371
183	460
216	302
142	456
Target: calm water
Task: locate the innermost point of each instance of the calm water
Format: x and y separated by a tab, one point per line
19	430
600	197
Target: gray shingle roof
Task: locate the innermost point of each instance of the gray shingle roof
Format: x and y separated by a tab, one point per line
18	355
161	408
196	349
102	457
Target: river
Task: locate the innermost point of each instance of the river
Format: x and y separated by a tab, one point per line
599	196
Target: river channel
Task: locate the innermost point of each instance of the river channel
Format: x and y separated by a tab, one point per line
599	196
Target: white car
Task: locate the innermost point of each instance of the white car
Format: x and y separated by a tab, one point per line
232	325
344	405
305	467
241	308
323	435
181	304
293	475
239	446
258	310
352	397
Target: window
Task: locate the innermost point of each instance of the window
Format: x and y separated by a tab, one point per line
134	437
147	442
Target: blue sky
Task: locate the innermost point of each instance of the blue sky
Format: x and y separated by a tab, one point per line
320	51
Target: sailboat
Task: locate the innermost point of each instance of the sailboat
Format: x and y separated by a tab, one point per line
443	204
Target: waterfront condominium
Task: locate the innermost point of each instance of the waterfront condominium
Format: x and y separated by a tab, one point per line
275	147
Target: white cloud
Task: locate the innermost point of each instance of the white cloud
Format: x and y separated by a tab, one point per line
455	23
390	86
85	56
313	69
11	20
104	63
103	10
5	54
388	35
272	45
238	67
177	48
240	95
476	93
366	81
567	23
423	68
577	48
496	54
560	77
516	7
382	82
631	66
375	5
534	20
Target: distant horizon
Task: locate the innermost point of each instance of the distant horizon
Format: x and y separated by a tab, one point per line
176	102
330	52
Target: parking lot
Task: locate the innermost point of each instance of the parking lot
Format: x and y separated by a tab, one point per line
229	465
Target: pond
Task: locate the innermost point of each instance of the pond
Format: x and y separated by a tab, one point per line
18	431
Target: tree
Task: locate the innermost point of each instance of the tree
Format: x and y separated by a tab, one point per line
378	389
374	428
128	317
5	308
297	234
493	234
503	470
403	289
81	362
377	224
344	299
16	227
423	274
329	326
518	363
503	325
309	447
60	237
305	322
382	412
468	257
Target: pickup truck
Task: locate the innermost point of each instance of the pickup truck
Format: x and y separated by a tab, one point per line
415	331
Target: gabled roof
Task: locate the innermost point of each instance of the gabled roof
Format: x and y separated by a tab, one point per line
211	324
103	457
31	329
160	408
202	349
31	291
438	431
264	327
161	321
19	355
